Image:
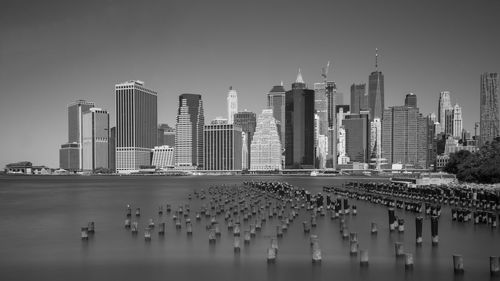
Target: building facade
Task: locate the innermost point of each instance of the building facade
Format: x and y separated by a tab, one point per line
357	136
95	139
247	121
189	132
299	126
222	146
400	135
166	135
411	100
265	149
457	122
359	98
163	157
136	125
443	105
69	157
232	104
75	131
276	102
490	108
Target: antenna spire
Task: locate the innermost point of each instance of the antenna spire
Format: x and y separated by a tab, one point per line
376	58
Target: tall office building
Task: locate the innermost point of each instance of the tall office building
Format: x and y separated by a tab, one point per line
189	132
448	122
222	144
376	142
247	121
276	102
112	150
136	125
232	104
376	91
411	100
75	135
359	98
342	110
332	95
490	108
299	126
95	123
444	104
457	122
342	155
265	149
426	142
69	158
400	135
163	157
321	138
357	135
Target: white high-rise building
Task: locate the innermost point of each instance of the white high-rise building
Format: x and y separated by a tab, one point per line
163	157
457	121
136	125
95	123
376	141
342	158
265	150
232	105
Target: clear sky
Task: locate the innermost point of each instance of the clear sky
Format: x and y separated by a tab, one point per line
55	52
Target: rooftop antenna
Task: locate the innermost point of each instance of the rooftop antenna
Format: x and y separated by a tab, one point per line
376	58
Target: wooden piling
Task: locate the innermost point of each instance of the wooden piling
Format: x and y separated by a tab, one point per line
458	264
84	233
418	229
374	229
363	257
408	261
494	265
399	249
161	230
434	230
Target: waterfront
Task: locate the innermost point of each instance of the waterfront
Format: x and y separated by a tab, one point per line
41	219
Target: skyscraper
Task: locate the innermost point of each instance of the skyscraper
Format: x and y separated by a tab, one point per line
232	104
376	142
411	100
189	132
136	125
490	108
400	135
376	91
222	147
448	122
359	98
321	138
444	104
276	102
457	122
357	135
299	126
331	95
95	139
265	149
426	142
75	135
247	121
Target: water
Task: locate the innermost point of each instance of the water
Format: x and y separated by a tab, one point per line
41	219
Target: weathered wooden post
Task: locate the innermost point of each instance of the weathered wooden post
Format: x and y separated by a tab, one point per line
434	230
399	249
374	229
147	234
392	218
494	265
161	230
84	233
418	230
408	261
363	259
458	264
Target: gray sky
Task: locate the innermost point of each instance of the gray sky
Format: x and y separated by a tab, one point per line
55	52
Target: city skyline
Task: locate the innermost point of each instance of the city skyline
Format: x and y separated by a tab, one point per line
52	57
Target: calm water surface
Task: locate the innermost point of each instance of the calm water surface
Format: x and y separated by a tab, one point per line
40	236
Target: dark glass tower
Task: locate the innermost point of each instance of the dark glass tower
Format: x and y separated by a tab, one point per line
376	92
359	98
247	121
189	132
411	100
299	126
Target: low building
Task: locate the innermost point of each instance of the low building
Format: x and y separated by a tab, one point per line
163	157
